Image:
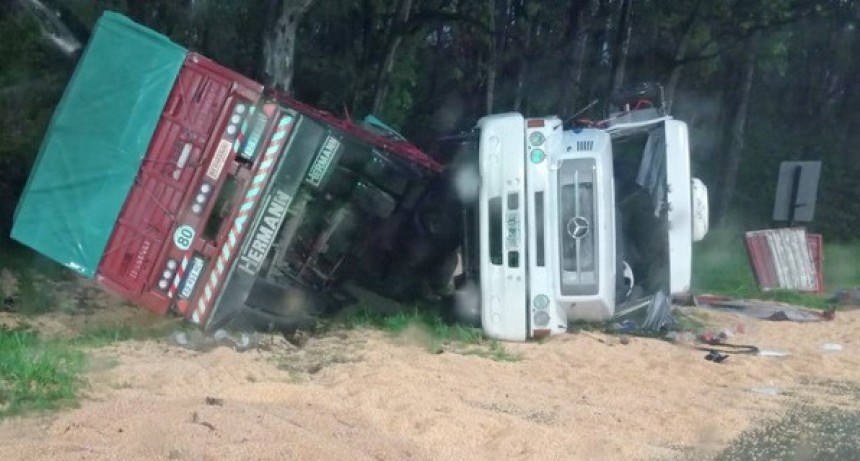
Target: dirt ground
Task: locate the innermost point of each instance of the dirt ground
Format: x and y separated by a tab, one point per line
365	395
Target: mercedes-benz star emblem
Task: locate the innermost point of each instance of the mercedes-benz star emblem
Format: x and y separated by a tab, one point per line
578	227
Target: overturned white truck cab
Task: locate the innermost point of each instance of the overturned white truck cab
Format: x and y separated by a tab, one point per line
572	222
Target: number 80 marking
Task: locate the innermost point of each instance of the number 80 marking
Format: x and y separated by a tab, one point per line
183	237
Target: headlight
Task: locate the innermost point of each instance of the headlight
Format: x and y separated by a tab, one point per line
537	155
541	319
541	302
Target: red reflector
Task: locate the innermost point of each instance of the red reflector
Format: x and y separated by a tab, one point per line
535	123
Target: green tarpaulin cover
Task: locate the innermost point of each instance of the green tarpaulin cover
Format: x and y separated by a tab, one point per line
96	142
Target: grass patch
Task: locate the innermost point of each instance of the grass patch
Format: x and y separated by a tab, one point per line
841	266
427	318
433	331
721	266
495	350
36	374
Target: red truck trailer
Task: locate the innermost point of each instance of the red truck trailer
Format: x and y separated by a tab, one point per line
184	186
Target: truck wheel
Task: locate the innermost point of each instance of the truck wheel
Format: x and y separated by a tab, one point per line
341	183
387	173
370	198
439	219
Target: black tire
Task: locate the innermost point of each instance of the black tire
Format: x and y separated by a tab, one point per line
439	219
341	183
388	173
373	200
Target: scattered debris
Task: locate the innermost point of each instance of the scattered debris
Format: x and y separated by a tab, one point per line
716	357
594	336
764	310
767	390
831	347
198	341
771	353
650	315
849	297
195	418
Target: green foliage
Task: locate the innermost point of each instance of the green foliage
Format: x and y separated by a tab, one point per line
802	106
36	374
495	351
31	79
841	266
398	321
427	324
720	265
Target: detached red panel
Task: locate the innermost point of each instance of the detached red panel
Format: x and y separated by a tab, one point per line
787	259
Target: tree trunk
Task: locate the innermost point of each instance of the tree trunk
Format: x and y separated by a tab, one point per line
849	136
523	66
582	15
736	135
397	33
622	48
680	55
492	61
279	41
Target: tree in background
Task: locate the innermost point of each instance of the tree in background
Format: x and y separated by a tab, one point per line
759	81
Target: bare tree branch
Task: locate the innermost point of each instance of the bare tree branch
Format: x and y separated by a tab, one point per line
54	30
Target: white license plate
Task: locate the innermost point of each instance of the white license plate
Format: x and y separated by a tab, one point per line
512	220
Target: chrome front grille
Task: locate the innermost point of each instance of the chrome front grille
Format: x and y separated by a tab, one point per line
578	227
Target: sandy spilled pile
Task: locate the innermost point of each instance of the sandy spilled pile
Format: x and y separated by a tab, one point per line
363	395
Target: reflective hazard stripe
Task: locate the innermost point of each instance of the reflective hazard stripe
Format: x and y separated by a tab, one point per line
178	279
240	138
248	204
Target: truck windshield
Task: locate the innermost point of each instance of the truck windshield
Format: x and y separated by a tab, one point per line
577	227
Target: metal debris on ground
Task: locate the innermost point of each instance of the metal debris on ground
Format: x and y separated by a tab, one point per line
846	297
772	353
831	347
763	310
198	341
650	315
767	390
